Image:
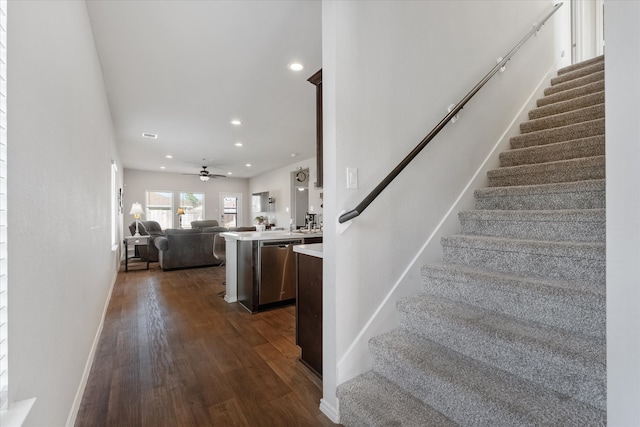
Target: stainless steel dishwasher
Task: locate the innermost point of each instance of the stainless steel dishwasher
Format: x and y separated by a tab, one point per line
277	271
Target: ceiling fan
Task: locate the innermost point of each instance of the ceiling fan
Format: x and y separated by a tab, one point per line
205	174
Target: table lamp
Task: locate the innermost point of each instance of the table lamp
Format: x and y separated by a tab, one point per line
136	211
180	213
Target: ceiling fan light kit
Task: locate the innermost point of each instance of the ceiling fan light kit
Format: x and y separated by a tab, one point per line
205	174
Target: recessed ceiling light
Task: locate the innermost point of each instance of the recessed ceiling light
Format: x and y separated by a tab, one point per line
248	165
169	156
229	173
296	66
149	135
294	154
238	144
236	122
162	167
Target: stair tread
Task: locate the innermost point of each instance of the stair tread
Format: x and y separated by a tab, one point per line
577	82
568	105
523	336
581	64
566	215
561	133
577	290
557	187
586	69
379	402
594	161
597	86
564	150
579	115
590	250
471	392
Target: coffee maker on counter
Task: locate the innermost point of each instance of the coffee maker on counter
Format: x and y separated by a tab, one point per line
310	221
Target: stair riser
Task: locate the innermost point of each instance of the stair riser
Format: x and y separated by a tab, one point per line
571	94
542	230
582	115
533	363
561	134
594	199
567	106
578	313
586	147
549	176
575	83
570	266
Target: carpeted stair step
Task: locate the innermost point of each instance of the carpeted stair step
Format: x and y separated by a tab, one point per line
472	393
576	148
551	357
565	195
575	83
571	261
578	73
569	118
580	169
587	63
559	134
372	400
571	93
571	306
568	105
585	225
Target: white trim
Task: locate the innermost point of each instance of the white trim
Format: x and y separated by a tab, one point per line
356	358
17	413
331	412
73	413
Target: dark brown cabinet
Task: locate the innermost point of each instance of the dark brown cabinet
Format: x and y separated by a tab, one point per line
309	310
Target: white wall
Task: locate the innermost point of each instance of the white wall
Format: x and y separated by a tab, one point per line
61	143
623	207
137	182
278	184
390	70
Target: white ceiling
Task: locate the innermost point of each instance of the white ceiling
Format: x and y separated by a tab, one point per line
185	69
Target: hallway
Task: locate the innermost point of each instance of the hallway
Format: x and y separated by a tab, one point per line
174	353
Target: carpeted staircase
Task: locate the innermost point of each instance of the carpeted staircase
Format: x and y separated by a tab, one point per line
510	328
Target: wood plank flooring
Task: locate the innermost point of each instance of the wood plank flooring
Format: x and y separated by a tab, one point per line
173	353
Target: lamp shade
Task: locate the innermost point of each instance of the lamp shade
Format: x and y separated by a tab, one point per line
136	209
180	211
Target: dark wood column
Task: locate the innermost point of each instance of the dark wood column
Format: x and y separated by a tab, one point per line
316	80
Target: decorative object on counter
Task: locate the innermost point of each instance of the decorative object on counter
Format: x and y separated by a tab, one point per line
137	212
180	212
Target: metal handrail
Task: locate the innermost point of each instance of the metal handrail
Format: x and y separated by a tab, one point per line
459	106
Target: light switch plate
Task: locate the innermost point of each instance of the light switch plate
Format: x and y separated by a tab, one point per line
352	178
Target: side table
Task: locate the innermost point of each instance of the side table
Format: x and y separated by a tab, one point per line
133	241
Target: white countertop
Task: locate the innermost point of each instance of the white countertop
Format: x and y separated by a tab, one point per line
268	235
313	249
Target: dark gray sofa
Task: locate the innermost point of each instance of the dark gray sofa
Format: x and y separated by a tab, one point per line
187	248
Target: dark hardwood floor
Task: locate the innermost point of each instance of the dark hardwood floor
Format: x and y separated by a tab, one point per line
174	353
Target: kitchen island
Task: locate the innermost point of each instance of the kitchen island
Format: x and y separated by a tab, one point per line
261	266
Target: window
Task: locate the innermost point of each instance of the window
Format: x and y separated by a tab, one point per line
193	205
159	207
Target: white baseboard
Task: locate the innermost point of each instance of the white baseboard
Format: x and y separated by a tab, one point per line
330	411
73	413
